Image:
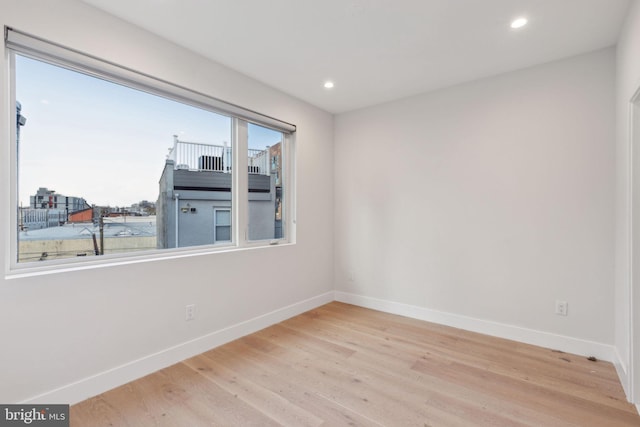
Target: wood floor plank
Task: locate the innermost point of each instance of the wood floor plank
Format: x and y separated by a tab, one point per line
540	363
341	365
367	395
278	378
390	364
271	403
544	373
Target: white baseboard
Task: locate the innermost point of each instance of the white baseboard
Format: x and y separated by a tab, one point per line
501	330
107	380
104	381
621	370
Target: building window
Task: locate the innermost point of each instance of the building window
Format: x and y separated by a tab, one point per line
111	162
222	225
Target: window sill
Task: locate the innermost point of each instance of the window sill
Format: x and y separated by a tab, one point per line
62	266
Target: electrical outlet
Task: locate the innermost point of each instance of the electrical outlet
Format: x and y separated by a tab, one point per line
190	312
562	308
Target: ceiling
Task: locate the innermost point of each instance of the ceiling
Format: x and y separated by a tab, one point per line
375	50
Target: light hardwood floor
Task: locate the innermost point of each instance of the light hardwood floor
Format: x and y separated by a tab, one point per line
345	365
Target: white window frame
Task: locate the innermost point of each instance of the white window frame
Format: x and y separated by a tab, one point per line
23	44
286	173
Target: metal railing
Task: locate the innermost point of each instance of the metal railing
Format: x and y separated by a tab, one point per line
195	156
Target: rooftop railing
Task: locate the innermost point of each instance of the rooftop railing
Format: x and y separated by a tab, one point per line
195	156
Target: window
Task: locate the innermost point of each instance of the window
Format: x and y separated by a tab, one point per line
222	225
111	162
266	182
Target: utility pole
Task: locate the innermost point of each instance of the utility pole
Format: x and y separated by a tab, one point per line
101	234
95	244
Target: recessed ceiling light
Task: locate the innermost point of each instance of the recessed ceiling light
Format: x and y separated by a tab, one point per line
519	23
328	85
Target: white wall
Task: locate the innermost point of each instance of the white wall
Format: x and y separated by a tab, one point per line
627	83
62	328
486	201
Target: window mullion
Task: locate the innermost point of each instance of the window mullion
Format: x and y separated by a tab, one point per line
241	181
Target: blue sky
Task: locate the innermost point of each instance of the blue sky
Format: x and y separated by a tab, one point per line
90	138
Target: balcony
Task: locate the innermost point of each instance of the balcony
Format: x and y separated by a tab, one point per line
194	156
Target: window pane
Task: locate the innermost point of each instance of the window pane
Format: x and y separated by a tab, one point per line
265	148
94	173
223	234
223	217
